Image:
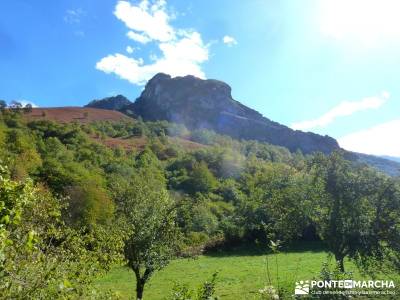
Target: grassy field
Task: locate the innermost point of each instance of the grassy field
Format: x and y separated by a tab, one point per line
241	273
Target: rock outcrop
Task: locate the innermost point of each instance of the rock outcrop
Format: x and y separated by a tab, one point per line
208	104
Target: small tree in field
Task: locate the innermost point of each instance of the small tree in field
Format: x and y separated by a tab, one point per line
149	218
358	212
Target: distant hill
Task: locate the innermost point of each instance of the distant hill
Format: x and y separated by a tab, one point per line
208	104
113	103
387	166
393	158
74	114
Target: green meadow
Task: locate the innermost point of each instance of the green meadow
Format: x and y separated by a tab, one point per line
241	273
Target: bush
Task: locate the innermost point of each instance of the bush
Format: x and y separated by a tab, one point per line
40	257
205	291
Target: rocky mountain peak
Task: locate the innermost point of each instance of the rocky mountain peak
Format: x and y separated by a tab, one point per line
208	104
188	87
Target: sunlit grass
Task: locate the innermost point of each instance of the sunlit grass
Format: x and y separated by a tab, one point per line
241	273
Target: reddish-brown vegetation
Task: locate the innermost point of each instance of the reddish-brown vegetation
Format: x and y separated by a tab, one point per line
88	115
127	144
75	114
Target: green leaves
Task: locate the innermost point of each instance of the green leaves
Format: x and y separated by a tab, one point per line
205	291
276	202
350	212
201	179
148	216
40	257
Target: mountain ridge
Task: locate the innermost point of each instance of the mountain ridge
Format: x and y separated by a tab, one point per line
208	104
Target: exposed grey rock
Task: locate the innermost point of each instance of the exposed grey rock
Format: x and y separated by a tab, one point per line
208	104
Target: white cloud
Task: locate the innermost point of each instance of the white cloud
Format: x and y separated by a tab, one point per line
378	140
229	40
73	16
141	38
130	49
345	108
366	21
151	20
180	58
183	51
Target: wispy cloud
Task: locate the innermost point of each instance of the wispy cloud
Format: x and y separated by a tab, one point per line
73	16
183	51
229	40
137	37
378	140
129	49
345	108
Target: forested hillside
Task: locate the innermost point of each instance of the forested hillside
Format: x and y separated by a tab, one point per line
67	194
208	104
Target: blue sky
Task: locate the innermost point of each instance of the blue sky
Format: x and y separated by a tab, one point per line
327	66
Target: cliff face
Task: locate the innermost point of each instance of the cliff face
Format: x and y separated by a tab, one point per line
208	104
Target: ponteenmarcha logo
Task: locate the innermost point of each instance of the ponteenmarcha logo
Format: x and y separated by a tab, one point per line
302	287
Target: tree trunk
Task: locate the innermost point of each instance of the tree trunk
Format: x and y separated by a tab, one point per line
140	282
340	262
139	289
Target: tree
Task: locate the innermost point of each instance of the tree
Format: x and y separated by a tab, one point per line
379	246
25	159
201	179
28	108
276	202
352	214
89	204
138	129
149	217
16	106
339	206
3	105
40	257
